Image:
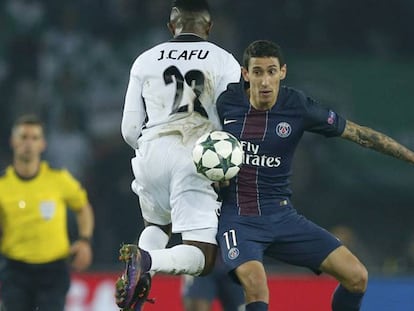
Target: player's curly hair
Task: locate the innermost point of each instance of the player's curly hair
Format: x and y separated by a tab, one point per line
190	14
191	5
262	48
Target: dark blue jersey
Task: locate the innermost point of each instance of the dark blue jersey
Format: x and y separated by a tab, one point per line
269	140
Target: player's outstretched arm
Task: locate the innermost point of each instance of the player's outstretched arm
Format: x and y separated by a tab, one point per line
380	142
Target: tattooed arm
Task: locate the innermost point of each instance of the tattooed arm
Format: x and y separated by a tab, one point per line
380	142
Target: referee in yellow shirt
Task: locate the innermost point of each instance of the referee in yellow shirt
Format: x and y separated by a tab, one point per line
33	225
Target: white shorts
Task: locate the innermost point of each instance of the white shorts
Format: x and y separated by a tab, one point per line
169	188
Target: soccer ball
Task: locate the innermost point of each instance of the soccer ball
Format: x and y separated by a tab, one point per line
218	155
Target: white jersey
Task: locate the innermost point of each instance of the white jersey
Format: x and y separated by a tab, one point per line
170	102
173	88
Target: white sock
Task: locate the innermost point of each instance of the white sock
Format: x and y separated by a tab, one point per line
152	237
180	259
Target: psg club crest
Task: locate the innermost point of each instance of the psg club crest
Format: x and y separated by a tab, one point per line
283	129
233	253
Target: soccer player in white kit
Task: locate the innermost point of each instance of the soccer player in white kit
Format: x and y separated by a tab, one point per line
170	102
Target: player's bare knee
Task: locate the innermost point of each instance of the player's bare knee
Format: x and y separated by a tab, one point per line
363	279
357	280
255	289
254	283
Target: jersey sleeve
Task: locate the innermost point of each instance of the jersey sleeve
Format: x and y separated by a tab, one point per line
133	115
222	102
321	120
230	100
75	195
231	73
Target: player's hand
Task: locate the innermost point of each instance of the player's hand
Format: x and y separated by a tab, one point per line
81	253
223	184
220	184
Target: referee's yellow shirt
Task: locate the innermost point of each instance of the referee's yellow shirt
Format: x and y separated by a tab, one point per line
33	214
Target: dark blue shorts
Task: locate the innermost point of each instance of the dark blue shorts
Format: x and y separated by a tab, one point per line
283	235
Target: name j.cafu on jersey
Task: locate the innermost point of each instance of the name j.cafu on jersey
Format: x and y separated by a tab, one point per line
183	55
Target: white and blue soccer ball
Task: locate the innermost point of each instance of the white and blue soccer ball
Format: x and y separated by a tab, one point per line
218	155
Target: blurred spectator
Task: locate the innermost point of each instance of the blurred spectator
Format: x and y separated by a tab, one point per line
353	241
68	146
24	24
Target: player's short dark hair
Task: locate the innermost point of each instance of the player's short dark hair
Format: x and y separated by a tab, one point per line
191	5
28	119
262	48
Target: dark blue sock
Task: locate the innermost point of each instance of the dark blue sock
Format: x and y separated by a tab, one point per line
145	260
257	306
344	300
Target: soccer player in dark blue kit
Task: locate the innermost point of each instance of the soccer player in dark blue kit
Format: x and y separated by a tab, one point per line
257	216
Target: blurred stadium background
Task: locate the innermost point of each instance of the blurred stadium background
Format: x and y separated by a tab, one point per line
69	61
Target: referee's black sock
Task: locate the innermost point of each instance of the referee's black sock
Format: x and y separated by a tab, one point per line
257	306
344	300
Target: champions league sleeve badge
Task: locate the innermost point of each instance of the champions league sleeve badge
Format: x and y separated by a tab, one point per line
331	117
